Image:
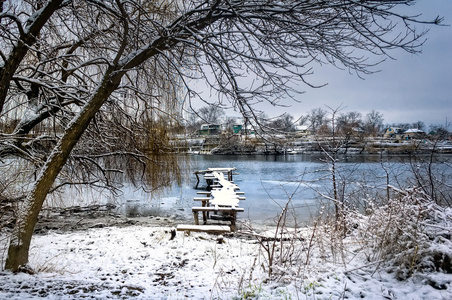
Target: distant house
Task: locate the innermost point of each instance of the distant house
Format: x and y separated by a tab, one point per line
237	128
393	132
243	130
210	129
414	133
301	130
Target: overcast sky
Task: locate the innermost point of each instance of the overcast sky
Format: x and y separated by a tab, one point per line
409	89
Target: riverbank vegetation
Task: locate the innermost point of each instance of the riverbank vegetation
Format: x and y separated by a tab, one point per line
211	131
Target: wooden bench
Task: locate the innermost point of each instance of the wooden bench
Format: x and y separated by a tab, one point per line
204	228
206	209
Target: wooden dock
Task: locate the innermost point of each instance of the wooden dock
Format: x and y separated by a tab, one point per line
221	200
210	178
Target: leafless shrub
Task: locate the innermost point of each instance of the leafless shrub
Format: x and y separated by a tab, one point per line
410	233
430	173
280	247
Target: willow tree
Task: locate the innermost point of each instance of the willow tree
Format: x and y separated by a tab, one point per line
248	51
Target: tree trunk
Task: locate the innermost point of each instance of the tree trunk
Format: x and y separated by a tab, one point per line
28	213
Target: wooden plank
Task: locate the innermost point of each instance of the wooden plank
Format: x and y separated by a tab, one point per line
219	186
202	172
212	208
222	169
203	228
204	193
201	199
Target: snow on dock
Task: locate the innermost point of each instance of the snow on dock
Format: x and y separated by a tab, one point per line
220	201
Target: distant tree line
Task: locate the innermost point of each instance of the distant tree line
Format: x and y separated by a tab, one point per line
318	121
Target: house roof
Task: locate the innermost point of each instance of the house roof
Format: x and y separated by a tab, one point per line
414	130
301	127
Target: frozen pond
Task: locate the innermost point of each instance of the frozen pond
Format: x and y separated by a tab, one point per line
268	181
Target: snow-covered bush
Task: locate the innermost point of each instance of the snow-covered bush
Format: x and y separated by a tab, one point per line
410	233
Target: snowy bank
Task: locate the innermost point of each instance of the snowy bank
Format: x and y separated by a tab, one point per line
142	262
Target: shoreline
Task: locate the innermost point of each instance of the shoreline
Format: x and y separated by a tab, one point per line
96	254
72	219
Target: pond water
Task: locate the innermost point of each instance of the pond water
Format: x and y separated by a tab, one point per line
270	181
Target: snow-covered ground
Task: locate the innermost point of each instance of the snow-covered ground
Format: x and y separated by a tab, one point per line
142	262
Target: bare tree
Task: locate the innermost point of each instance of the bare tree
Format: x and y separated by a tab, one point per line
211	114
317	118
418	125
303	120
439	132
348	123
330	149
373	123
95	51
283	123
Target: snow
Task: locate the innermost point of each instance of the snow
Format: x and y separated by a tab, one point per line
399	250
109	262
142	262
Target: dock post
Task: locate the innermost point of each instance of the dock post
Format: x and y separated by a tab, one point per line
197	178
195	216
209	184
204	213
233	218
230	175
